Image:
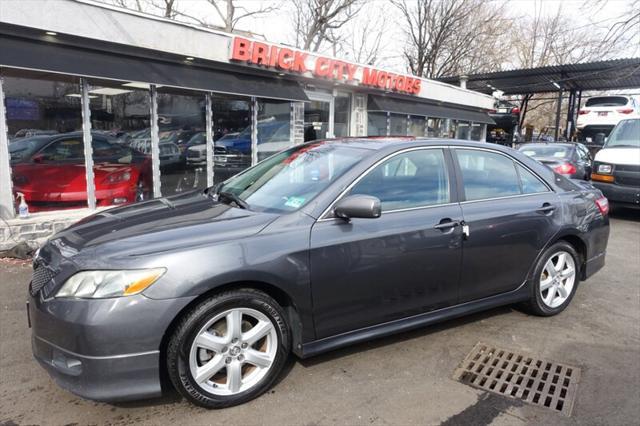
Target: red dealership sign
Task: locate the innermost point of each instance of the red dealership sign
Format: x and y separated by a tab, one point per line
295	61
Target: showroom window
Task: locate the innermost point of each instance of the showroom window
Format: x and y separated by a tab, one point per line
417	126
44	129
463	130
477	131
435	127
121	141
231	135
181	126
398	125
341	114
377	123
274	127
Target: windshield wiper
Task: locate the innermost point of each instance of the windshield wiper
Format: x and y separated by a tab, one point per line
230	196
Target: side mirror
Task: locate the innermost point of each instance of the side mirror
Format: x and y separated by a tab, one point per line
358	206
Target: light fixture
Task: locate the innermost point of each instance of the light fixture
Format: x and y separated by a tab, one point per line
51	33
189	58
556	85
138	85
281	74
109	91
78	95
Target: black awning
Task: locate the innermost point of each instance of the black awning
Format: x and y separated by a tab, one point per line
387	104
42	56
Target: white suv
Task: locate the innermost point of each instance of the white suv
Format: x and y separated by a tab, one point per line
601	113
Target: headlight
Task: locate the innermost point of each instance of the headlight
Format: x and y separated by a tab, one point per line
103	284
605	169
119	177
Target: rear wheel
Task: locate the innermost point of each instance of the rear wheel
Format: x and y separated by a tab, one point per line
555	280
229	349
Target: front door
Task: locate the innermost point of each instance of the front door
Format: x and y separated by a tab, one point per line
369	271
318	116
510	214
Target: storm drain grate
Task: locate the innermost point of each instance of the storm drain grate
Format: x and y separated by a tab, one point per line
532	380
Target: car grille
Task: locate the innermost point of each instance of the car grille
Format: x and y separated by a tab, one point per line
193	154
41	276
627	175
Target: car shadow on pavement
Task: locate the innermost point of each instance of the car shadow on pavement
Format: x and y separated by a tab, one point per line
625	214
405	336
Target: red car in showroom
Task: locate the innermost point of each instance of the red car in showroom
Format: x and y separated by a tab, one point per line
50	172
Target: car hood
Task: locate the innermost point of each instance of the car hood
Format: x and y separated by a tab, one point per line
159	225
622	155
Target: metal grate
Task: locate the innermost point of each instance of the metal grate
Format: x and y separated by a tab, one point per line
532	380
41	276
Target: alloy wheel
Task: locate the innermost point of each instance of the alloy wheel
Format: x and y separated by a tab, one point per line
557	279
233	351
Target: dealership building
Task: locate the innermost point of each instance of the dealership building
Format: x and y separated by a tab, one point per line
101	106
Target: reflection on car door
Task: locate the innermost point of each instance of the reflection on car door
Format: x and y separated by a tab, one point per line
369	271
510	215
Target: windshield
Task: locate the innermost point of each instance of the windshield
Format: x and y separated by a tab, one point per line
290	179
553	151
626	133
21	150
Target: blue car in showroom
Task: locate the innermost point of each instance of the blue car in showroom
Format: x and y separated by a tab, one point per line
320	246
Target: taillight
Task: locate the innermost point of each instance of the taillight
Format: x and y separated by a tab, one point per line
583	112
603	205
625	110
492	111
565	169
515	110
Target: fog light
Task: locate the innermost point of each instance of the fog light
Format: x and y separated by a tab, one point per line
119	200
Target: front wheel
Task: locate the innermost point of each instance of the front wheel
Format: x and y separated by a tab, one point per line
555	280
228	349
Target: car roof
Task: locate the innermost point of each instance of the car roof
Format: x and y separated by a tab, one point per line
562	144
377	143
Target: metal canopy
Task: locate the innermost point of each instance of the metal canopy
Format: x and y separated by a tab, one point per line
603	75
386	104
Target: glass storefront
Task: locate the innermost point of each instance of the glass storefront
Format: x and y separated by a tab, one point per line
377	123
274	127
463	130
417	126
181	116
44	122
398	125
342	114
231	135
121	139
316	120
477	131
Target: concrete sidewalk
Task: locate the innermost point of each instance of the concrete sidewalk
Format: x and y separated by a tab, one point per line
404	379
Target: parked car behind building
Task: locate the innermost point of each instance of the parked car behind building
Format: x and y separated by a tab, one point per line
601	113
568	159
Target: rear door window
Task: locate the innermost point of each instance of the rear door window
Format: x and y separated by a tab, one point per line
487	175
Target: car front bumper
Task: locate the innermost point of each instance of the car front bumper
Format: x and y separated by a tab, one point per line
627	196
103	349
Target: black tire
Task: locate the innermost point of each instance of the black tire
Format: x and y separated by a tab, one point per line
536	305
188	327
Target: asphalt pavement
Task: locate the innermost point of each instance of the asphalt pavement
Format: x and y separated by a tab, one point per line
404	379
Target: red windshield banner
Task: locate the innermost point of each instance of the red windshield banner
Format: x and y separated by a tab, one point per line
295	61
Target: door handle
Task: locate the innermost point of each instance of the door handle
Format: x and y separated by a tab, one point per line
447	224
546	208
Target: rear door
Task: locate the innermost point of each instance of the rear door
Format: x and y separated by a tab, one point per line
369	271
510	214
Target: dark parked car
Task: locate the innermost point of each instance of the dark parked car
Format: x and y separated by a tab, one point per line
320	246
507	117
572	160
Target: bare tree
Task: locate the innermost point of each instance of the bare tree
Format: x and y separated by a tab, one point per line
316	21
363	40
231	14
449	37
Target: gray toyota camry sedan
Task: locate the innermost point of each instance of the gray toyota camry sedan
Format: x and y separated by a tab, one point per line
320	246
